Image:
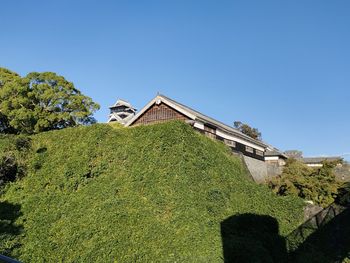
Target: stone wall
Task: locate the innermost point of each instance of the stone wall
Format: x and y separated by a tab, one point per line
342	173
257	168
273	169
260	170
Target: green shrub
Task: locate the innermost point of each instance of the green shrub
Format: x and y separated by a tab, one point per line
22	143
12	158
8	169
318	185
150	193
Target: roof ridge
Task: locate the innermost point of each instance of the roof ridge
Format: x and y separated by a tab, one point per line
214	120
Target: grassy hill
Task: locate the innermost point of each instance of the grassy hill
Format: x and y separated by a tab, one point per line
110	194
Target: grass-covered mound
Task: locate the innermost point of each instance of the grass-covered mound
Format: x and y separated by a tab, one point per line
154	193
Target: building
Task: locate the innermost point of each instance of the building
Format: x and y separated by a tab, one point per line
312	161
262	160
318	161
275	156
162	109
121	112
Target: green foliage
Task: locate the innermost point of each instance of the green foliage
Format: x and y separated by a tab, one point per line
41	102
153	193
13	152
318	185
10	232
247	130
6	76
8	168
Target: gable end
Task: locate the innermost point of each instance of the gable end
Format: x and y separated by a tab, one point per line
158	113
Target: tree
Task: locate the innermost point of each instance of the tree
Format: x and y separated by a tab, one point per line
318	185
247	130
44	101
6	76
4	124
294	154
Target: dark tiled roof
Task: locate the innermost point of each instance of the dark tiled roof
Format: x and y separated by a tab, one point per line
215	122
274	153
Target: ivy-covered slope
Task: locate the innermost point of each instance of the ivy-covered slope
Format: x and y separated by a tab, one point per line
154	193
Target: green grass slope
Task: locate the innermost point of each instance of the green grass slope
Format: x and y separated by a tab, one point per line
154	193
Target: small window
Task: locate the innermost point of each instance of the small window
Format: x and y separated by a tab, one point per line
210	135
230	143
209	129
249	149
260	153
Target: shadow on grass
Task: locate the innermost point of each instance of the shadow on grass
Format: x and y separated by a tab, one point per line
255	238
252	238
9	231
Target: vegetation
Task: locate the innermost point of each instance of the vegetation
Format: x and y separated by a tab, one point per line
318	185
294	154
6	76
326	239
247	130
13	150
41	102
150	193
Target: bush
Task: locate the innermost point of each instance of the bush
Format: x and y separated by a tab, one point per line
13	158
318	185
22	143
149	193
8	169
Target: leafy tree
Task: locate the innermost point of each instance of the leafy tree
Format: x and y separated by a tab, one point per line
246	129
294	154
6	76
4	124
318	185
44	101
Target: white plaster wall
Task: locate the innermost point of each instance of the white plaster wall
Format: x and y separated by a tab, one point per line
233	138
271	158
314	164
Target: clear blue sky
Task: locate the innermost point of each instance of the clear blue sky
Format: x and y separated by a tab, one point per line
281	66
